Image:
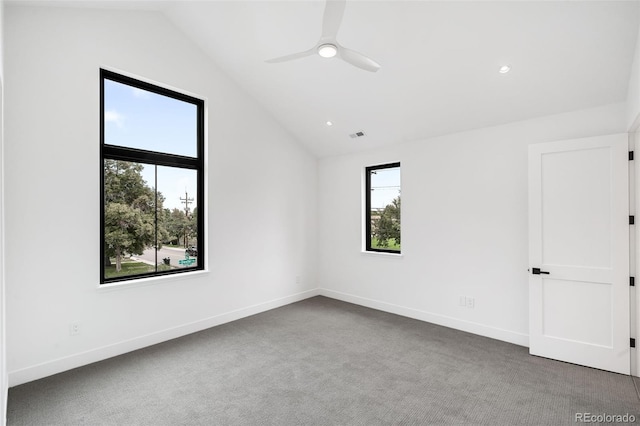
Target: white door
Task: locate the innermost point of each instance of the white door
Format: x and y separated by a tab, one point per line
579	245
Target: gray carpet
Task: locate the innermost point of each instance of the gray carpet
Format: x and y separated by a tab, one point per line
324	362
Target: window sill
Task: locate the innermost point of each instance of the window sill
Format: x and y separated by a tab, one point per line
382	254
144	282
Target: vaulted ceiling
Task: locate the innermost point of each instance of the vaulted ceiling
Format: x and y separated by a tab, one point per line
439	62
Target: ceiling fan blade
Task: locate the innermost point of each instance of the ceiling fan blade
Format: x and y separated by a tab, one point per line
333	12
292	56
357	59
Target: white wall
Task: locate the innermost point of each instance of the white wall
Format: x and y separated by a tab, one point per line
633	90
3	345
261	194
464	224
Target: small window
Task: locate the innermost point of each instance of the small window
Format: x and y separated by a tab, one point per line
382	211
152	180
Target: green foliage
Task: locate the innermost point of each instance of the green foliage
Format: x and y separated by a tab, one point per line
390	244
130	211
127	229
180	228
386	227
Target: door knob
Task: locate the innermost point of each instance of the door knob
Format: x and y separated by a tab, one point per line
537	271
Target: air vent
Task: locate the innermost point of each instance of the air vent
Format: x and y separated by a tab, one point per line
356	135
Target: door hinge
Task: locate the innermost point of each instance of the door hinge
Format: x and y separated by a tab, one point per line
630	155
632	220
633	342
632	281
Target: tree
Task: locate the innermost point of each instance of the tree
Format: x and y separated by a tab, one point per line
179	226
193	226
387	226
130	211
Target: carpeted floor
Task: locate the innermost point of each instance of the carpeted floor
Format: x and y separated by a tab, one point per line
324	362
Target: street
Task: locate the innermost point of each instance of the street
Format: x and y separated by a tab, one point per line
175	254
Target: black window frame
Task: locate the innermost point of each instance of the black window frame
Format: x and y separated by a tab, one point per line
367	218
114	152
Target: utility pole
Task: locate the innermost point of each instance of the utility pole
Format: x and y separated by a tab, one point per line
186	200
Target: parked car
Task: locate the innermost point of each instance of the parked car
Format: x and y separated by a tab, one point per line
192	251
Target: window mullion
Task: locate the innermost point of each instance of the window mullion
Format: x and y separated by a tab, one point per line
155	192
149	157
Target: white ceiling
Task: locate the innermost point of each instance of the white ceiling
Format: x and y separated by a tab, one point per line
439	62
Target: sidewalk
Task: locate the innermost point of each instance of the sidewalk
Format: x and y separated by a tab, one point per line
174	248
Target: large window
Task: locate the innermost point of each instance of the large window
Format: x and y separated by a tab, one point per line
152	180
382	211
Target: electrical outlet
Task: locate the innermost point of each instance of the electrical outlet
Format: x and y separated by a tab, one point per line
471	302
463	301
74	329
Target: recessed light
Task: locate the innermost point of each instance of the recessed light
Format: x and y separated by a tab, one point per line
329	123
327	50
504	69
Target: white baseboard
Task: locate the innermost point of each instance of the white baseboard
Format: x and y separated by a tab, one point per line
59	365
35	372
468	326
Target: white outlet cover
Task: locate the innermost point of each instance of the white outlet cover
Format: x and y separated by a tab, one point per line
74	329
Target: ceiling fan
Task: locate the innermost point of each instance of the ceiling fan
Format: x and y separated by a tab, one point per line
328	46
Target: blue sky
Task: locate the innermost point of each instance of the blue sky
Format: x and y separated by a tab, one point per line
386	186
136	118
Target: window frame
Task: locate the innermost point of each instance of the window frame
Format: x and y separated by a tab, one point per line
367	212
120	153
